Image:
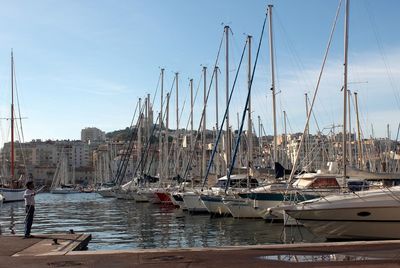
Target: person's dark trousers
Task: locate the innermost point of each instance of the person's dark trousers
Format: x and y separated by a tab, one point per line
30	210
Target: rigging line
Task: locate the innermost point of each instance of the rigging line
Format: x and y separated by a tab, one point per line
288	123
19	107
316	88
170	91
182	109
19	130
389	72
123	163
185	131
127	145
197	91
314	116
203	111
188	121
210	163
189	117
176	137
134	115
164	165
146	149
246	107
157	87
195	97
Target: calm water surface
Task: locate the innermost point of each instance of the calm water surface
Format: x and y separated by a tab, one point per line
121	224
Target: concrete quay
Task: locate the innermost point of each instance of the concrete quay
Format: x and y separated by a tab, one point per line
60	250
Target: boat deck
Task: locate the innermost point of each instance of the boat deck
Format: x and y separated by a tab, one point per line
42	251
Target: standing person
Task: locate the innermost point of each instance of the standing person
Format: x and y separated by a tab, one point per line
29	197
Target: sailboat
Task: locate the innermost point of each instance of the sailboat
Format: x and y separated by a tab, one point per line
61	183
10	188
370	214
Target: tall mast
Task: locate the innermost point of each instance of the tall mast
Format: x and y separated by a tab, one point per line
360	153
139	135
12	117
306	144
191	147
249	121
166	141
271	49
203	159
216	69
176	166
191	114
160	139
149	124
260	145
285	141
346	45
146	118
349	114
228	137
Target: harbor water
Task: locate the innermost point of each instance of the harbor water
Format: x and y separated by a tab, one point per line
123	224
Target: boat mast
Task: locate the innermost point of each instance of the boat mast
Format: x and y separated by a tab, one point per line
249	121
203	159
346	45
285	141
228	137
349	114
260	141
176	166
271	49
191	114
360	153
12	117
139	136
166	141
160	139
307	134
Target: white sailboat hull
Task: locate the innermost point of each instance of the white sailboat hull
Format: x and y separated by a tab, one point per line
333	228
215	205
64	191
12	195
193	203
106	192
241	208
370	214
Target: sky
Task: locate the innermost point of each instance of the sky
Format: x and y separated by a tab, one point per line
86	63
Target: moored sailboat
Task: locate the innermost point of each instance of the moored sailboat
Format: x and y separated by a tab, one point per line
61	183
10	188
370	214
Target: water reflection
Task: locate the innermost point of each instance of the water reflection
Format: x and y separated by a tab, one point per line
121	224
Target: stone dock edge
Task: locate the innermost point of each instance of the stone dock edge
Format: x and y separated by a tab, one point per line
62	250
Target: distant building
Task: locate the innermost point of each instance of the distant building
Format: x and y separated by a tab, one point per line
92	134
39	159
